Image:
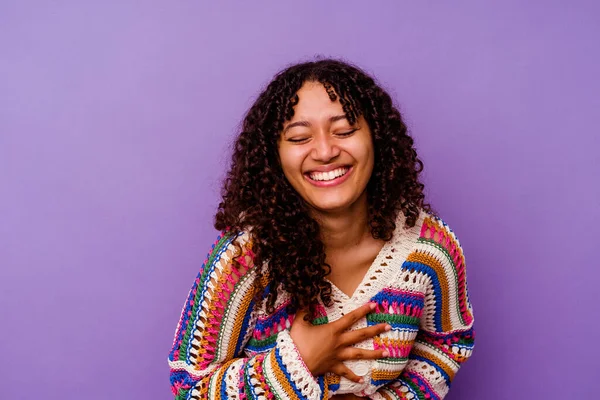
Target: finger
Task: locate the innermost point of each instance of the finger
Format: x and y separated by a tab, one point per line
358	335
352	353
341	370
354	316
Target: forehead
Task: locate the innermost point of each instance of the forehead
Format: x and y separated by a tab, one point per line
314	103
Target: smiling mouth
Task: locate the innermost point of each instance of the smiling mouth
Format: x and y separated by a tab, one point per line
328	176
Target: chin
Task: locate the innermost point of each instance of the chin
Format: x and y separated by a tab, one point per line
330	209
331	206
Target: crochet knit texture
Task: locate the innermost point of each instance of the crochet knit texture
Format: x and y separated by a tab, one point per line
227	346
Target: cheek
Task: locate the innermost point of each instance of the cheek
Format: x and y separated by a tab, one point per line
369	153
291	161
363	153
366	157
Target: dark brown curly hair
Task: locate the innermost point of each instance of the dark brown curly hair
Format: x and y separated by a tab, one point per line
258	198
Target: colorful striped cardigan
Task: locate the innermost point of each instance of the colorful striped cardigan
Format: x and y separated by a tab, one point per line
227	346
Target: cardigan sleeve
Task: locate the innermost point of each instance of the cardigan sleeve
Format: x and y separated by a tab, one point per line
207	358
446	338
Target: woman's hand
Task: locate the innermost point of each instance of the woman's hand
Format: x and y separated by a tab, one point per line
324	347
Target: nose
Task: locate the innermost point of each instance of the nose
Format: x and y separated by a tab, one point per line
324	148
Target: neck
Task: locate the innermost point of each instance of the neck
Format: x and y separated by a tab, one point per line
344	229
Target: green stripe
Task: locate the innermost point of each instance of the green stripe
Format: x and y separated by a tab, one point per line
393	361
182	394
276	394
393	318
247	387
447	254
203	276
262	342
415	388
240	313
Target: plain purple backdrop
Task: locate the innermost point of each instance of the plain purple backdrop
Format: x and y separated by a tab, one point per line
115	123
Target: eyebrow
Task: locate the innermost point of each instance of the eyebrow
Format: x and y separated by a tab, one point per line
307	124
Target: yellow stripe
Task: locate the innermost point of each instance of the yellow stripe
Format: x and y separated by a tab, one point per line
379	374
280	376
437	361
443	280
237	328
219	377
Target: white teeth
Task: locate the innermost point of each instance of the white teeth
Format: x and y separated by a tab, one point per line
328	176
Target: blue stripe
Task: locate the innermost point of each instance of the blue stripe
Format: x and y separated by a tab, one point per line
379	381
437	367
437	289
240	343
223	384
204	286
287	374
421	382
270	320
247	382
403	327
321	381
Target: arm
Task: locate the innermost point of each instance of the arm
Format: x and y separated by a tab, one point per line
445	338
216	321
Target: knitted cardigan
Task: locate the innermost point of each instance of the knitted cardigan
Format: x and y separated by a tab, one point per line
227	345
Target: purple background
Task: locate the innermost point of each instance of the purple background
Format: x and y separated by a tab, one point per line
116	117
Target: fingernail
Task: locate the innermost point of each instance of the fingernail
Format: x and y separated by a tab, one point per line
385	354
388	327
372	306
361	380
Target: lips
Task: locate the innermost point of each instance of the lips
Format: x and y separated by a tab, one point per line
329	175
332	176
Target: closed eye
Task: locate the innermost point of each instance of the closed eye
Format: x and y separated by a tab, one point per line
297	140
348	133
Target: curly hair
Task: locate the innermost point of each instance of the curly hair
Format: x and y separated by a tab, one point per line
257	198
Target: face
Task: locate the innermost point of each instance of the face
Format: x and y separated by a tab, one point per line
327	160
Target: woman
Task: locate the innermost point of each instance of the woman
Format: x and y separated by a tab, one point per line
332	276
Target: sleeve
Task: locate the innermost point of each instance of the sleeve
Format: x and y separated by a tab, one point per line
446	338
206	360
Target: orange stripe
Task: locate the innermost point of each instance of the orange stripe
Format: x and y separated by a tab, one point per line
237	327
200	334
448	241
202	388
437	361
392	342
443	280
210	314
280	376
219	377
379	374
330	379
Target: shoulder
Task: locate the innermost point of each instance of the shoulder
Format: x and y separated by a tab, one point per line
439	253
431	241
230	244
230	258
437	233
428	227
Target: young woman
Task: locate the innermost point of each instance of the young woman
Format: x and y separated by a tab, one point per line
332	277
